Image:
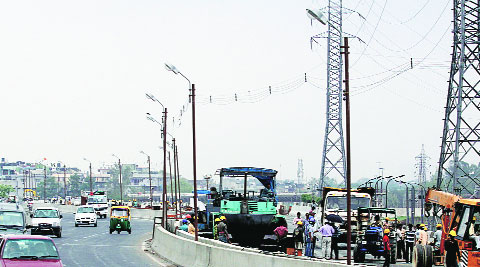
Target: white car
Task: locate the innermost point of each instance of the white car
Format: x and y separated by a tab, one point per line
46	220
85	215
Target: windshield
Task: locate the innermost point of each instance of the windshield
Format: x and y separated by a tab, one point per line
29	248
9	218
340	202
97	199
85	210
118	212
45	214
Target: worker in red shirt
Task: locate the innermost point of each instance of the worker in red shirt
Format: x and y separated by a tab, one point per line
386	247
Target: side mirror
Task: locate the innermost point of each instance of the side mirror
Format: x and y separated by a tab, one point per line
74	213
31	215
61	216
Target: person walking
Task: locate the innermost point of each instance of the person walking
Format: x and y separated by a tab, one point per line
437	239
386	247
453	252
327	232
298	238
400	237
309	240
222	230
409	243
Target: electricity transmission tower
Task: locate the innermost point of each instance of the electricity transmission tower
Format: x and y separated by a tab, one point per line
422	167
461	131
333	157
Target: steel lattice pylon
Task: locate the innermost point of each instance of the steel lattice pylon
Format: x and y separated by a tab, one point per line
333	158
461	132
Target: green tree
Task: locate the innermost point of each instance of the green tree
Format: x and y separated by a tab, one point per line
5	190
51	188
77	184
113	185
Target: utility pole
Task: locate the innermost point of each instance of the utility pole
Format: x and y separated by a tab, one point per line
120	180
65	180
175	176
91	184
150	181
171	180
44	184
164	193
349	162
195	195
179	189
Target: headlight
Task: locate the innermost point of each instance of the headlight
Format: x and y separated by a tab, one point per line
364	242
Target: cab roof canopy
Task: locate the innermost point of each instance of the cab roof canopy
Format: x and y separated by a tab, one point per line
265	176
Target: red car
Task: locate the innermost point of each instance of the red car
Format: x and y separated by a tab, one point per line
28	250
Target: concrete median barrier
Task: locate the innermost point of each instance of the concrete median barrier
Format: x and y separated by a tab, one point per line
184	251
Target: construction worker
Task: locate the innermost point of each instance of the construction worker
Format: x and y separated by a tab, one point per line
281	233
215	228
386	247
222	230
409	243
437	239
184	226
422	235
309	238
298	238
453	251
191	227
400	236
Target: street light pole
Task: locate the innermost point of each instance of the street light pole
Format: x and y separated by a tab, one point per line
175	176
192	97
179	189
44	184
120	178
149	179
65	181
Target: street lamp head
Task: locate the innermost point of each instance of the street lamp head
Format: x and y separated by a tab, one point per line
317	14
171	68
150	96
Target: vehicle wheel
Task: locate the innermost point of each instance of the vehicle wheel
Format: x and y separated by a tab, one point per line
428	256
110	231
59	233
418	258
393	254
129	231
357	255
118	231
95	225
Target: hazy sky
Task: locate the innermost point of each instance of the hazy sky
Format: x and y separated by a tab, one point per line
73	78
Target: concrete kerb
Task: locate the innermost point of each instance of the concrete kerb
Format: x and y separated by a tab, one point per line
186	252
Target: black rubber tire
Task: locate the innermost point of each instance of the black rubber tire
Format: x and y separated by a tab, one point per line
59	233
110	231
76	225
358	256
428	256
393	254
418	257
118	231
129	231
95	225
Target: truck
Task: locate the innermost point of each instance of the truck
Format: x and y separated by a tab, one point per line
97	199
334	201
461	215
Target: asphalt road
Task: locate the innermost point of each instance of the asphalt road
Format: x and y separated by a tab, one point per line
94	246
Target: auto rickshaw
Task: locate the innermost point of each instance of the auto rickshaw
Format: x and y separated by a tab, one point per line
120	219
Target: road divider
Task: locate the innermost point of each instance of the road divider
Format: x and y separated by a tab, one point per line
184	251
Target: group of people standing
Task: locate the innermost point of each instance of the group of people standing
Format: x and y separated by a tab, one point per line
308	231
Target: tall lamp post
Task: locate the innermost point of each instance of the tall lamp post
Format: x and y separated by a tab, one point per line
120	178
164	134
149	179
90	165
207	178
173	69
